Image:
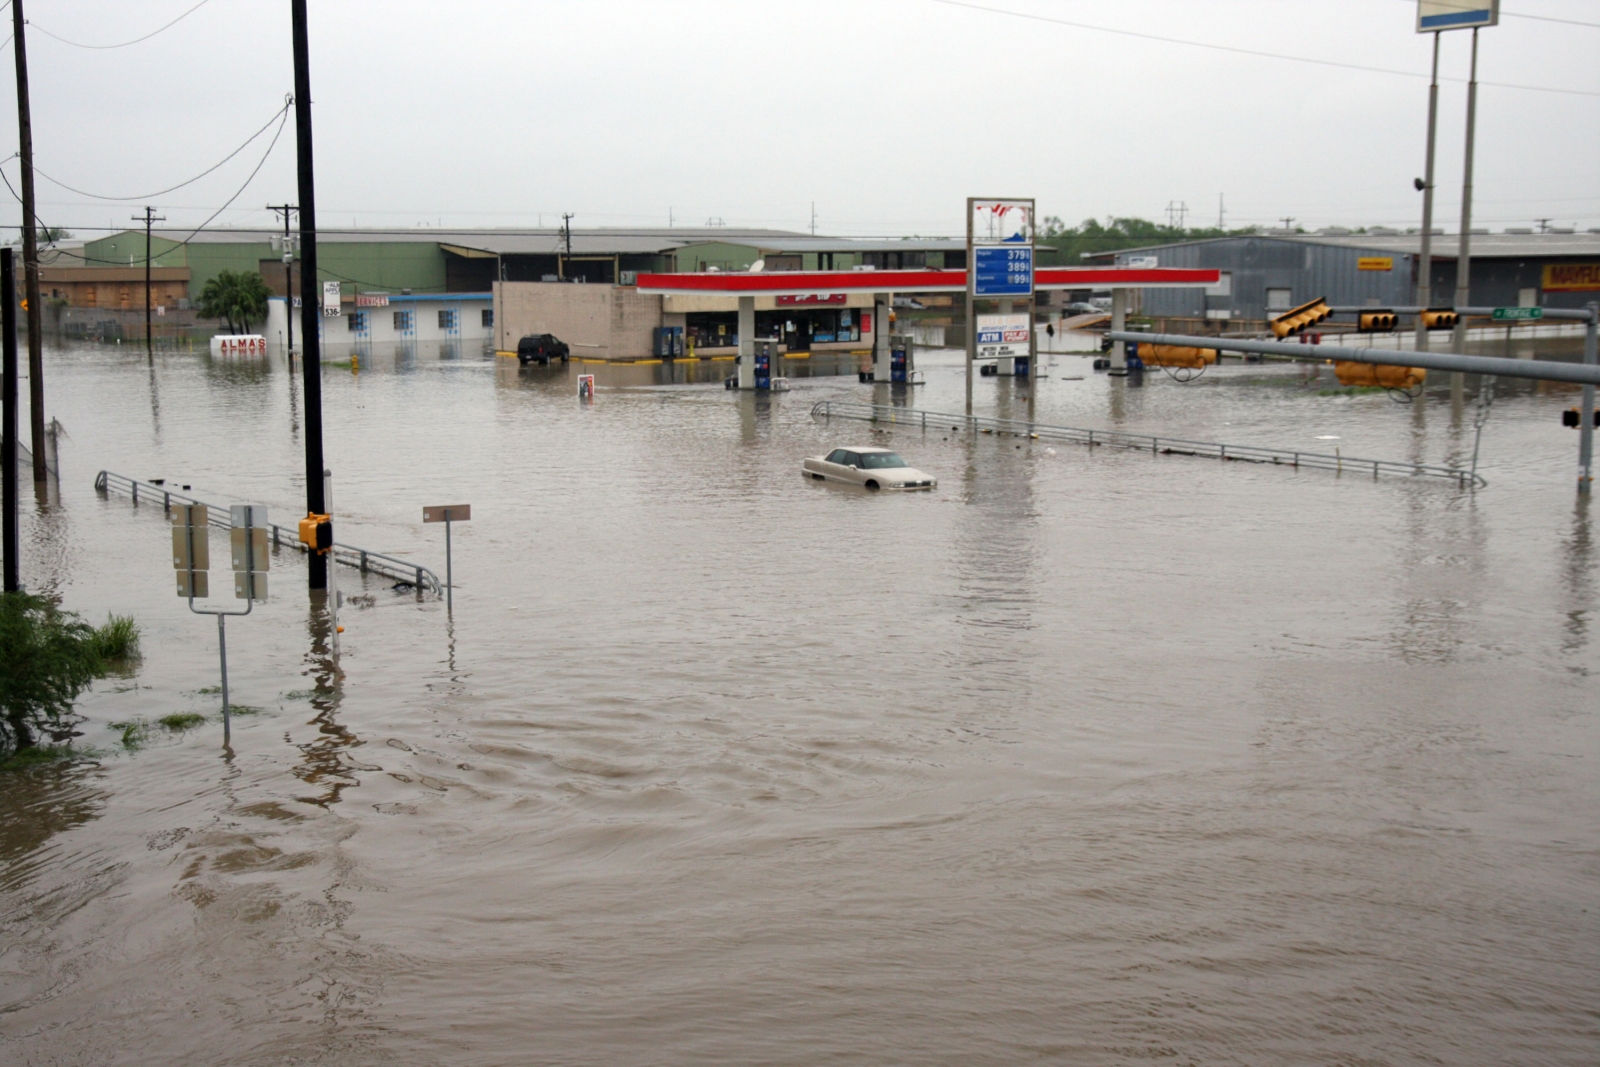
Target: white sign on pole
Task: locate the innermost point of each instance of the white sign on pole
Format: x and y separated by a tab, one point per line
330	298
1003	336
1436	15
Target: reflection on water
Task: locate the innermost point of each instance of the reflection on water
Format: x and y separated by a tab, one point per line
1085	757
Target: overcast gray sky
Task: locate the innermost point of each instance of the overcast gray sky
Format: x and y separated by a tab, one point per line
885	113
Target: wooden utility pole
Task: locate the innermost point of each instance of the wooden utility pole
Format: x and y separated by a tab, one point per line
310	299
8	413
287	211
30	249
150	217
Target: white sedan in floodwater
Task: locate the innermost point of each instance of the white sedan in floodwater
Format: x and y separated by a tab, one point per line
872	468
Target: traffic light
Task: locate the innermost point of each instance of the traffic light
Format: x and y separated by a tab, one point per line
316	532
1573	418
1438	319
1377	322
1306	315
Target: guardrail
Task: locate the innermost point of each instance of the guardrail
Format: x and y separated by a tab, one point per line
361	559
1154	444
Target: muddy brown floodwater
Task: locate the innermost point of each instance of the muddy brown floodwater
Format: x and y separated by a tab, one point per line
1085	758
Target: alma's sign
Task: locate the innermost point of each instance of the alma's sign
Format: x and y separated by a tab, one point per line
810	299
1375	263
1572	277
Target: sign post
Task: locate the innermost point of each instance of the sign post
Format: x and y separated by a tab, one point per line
448	513
191	558
1000	266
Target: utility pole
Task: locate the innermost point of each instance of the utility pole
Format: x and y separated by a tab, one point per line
1221	213
310	305
30	248
1288	222
1544	225
566	232
813	218
286	210
1464	253
148	219
1425	259
8	419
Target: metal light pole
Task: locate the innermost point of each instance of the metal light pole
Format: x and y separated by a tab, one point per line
1464	253
1591	357
1425	260
310	305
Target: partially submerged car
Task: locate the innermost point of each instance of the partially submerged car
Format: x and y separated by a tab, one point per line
871	468
541	348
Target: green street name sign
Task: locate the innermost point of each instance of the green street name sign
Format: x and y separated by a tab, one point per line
1517	314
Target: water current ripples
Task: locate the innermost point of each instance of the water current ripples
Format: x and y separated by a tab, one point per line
1083	758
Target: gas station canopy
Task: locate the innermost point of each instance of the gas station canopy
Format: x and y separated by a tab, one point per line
803	283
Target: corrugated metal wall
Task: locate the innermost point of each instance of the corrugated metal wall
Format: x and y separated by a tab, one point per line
1256	264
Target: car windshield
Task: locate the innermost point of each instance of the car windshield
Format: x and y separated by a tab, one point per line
879	461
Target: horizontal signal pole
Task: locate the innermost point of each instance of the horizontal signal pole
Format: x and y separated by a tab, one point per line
1572	314
1582	374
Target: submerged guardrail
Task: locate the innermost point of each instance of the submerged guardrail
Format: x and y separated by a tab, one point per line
1152	443
361	559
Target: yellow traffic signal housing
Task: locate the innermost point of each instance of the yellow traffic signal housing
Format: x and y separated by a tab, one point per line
1350	372
1377	322
1299	319
316	532
1438	319
1177	356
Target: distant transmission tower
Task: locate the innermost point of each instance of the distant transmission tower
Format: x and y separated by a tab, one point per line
1177	212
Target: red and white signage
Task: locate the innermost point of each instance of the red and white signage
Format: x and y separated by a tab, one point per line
372	300
834	283
237	342
811	299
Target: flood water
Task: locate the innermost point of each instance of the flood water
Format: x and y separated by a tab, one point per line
1083	758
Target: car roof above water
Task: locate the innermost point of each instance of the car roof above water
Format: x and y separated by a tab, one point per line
858	449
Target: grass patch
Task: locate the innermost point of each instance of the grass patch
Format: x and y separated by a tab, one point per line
47	657
118	640
135	732
300	694
243	709
210	690
33	757
181	720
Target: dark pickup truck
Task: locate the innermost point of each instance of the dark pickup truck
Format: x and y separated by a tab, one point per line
541	348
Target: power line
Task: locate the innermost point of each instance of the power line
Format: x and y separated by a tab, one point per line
288	102
1241	51
124	44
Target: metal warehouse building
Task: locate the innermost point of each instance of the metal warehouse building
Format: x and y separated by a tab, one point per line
1265	274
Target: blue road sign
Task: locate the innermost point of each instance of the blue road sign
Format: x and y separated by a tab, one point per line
1002	271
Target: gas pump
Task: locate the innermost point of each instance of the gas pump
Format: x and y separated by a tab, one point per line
766	348
900	358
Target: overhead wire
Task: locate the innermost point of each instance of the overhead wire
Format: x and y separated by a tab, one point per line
288	102
1235	49
123	44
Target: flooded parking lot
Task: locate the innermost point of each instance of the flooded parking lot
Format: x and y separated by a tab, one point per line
1084	757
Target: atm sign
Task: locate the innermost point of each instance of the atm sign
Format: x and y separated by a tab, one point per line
1375	263
1572	277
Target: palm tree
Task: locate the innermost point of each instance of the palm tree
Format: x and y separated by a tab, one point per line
236	297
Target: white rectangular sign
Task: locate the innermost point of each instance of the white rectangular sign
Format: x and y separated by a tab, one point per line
1002	336
1142	262
330	298
1436	15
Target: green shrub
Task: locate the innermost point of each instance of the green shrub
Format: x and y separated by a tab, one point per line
47	657
182	720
